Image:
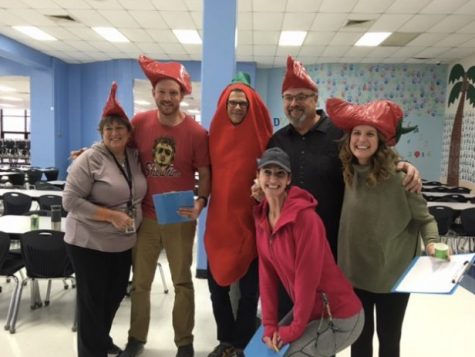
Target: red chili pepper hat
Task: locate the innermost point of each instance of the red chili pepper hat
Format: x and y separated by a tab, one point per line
156	71
297	77
384	115
112	107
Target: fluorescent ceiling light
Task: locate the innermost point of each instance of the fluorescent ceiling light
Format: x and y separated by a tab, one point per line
292	38
12	99
193	111
184	104
6	89
111	34
141	102
35	32
372	38
188	37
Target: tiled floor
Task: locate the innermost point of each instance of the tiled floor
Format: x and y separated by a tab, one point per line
435	325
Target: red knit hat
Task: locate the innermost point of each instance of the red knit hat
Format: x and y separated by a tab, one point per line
156	71
112	107
384	115
297	77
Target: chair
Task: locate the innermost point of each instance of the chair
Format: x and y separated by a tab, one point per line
444	216
10	264
466	228
16	203
459	190
33	176
46	201
433	183
45	257
453	197
51	173
17	179
440	189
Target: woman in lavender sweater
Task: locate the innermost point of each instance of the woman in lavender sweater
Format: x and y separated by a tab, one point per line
103	195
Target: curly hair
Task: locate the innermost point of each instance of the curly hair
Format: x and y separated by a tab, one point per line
383	161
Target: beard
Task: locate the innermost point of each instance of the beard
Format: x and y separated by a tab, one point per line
297	122
167	108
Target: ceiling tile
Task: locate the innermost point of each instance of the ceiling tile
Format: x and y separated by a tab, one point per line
345	38
383	51
194	5
178	20
420	23
136	35
267	21
264	50
335	51
105	4
407	6
406	52
319	38
73	4
148	47
119	18
297	21
162	36
43	4
173	48
467	9
197	19
137	5
442	6
455	39
88	17
451	23
470	28
343	6
425	40
269	5
358	52
372	6
266	37
167	5
245	38
389	23
311	51
244	20
244	6
432	51
303	6
287	51
245	50
149	19
329	22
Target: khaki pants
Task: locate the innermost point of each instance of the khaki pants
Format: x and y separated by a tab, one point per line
177	240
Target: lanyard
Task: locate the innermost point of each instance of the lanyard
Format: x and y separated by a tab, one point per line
128	177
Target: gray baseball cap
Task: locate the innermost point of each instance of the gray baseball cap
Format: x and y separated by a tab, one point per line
274	156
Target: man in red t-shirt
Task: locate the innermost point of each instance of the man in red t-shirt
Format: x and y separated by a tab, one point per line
172	147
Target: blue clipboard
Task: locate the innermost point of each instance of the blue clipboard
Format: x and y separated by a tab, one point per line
167	205
257	348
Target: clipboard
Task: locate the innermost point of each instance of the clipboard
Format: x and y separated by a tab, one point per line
257	348
429	275
167	205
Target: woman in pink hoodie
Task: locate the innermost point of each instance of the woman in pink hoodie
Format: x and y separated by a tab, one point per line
292	248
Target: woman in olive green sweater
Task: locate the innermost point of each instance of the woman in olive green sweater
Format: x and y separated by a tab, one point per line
381	223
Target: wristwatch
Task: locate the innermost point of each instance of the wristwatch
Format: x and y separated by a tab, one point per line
205	200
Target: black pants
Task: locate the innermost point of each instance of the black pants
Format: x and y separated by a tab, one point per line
390	310
101	281
236	331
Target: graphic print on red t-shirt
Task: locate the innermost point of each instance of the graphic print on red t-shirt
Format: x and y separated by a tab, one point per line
163	154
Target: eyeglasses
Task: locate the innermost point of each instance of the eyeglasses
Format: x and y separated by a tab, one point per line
299	98
235	103
280	174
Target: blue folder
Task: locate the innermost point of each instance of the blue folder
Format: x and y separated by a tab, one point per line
257	348
167	205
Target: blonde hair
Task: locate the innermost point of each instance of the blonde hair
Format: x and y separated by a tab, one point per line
382	163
